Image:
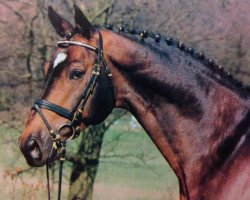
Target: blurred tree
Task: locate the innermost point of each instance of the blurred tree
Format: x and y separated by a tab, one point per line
85	162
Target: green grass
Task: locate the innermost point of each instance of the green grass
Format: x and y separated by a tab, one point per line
142	169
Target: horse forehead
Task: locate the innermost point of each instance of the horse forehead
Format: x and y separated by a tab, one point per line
76	51
81	54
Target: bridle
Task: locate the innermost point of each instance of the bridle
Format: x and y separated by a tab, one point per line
75	115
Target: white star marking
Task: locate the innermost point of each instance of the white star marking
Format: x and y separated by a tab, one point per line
59	59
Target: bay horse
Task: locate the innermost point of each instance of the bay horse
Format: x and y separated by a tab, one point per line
196	113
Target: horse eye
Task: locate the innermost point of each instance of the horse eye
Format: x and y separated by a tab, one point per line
76	74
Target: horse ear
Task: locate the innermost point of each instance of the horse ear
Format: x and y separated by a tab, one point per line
82	23
61	25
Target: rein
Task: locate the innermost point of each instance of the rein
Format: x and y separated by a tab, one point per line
75	115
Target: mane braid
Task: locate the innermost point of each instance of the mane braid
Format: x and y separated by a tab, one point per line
210	63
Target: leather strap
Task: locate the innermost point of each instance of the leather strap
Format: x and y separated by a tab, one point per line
66	44
63	112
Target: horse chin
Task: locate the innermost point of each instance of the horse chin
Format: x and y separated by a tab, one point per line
35	164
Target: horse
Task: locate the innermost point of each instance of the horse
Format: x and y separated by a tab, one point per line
195	112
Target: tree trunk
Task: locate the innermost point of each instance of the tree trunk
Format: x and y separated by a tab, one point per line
85	163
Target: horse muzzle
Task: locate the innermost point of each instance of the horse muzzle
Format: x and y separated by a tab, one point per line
37	151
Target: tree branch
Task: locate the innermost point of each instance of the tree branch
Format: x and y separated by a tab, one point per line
104	10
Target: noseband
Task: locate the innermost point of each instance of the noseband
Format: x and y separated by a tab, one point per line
75	115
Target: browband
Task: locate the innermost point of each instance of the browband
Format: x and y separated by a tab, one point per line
66	43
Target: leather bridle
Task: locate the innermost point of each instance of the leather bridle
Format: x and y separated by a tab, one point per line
75	115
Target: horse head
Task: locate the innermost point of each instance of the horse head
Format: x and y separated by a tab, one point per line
77	92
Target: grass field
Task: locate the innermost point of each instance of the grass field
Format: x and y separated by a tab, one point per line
131	168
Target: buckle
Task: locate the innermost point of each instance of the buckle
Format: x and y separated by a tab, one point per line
72	129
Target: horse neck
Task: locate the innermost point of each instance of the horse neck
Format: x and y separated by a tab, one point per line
187	114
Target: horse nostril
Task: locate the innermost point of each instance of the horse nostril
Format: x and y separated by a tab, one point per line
31	144
33	149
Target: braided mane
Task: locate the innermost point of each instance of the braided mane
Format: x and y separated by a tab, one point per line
200	56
